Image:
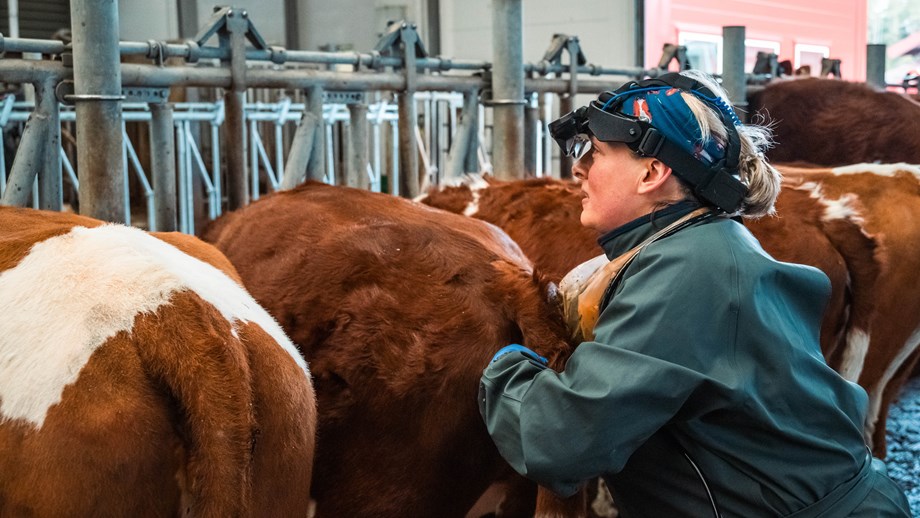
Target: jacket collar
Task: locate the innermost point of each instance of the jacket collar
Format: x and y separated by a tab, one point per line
623	238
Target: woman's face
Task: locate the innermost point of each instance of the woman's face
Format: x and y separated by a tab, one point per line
610	175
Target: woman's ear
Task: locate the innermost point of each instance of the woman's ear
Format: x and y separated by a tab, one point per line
656	175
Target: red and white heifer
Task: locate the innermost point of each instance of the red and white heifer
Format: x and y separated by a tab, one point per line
886	200
832	122
140	380
543	215
398	307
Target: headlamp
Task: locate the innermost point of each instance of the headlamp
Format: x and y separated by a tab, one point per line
715	185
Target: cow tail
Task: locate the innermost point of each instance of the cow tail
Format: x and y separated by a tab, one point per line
191	352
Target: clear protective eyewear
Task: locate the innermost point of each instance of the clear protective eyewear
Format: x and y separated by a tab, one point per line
578	146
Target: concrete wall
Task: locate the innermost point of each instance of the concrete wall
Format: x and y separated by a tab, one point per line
604	27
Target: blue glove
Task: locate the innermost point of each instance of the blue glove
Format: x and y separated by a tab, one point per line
517	347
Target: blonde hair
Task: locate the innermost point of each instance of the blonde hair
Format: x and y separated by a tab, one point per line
761	179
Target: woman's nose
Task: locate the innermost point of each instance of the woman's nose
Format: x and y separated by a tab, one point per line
579	171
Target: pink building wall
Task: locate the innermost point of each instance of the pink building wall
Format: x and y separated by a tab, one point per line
839	25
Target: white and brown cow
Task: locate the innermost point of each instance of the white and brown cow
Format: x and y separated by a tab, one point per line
886	200
398	307
138	378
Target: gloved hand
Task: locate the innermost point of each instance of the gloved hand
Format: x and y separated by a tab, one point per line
518	347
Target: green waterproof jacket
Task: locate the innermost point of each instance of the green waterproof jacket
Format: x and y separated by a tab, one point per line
705	391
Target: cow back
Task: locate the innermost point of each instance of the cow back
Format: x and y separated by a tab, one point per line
138	380
831	122
398	307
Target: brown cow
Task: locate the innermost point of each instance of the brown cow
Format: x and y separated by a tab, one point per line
398	307
832	122
886	198
138	380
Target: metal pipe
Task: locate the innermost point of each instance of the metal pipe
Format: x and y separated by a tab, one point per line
508	89
301	152
29	159
97	94
460	150
875	64
408	120
149	75
531	118
566	105
356	174
163	166
316	166
50	183
733	79
234	38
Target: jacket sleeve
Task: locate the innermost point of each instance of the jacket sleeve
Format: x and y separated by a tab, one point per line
663	351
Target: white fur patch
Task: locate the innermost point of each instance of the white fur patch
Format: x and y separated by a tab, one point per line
73	292
844	207
854	356
879	169
477	184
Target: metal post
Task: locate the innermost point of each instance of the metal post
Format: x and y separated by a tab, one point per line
875	64
408	121
566	105
50	183
234	101
97	94
29	159
471	108
302	149
457	161
733	78
163	166
316	166
508	89
531	117
356	174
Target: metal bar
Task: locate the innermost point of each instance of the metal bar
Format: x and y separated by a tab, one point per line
508	89
189	179
531	117
50	184
97	89
457	162
329	177
566	105
148	75
301	152
142	177
356	174
125	182
875	64
254	159
215	168
408	120
68	167
733	79
316	165
182	160
393	179
195	154
28	160
234	39
163	167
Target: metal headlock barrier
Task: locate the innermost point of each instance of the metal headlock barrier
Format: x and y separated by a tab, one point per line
396	121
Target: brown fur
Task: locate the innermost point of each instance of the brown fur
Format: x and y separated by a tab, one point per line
832	122
398	308
891	207
176	417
